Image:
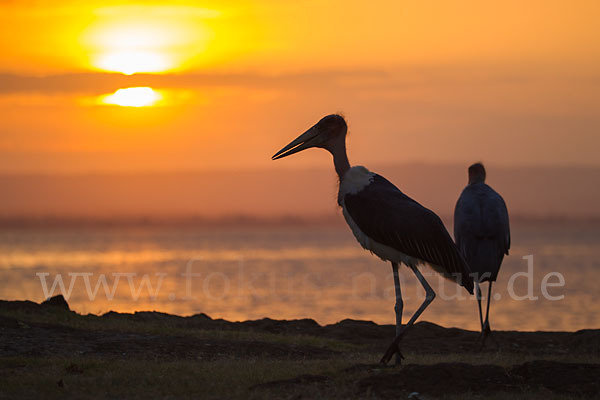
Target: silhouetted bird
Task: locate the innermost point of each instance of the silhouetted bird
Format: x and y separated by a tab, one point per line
385	221
482	234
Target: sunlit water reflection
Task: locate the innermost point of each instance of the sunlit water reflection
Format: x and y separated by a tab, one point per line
320	273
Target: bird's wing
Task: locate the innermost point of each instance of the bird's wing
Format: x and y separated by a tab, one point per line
503	217
391	218
481	213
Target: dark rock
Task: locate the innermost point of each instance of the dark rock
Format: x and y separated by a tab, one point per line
357	331
201	317
56	301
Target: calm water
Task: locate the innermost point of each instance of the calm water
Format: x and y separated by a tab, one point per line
320	273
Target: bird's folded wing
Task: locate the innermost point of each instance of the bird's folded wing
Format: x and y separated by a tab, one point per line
391	218
480	214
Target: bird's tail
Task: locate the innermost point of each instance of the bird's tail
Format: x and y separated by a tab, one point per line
457	271
463	273
466	278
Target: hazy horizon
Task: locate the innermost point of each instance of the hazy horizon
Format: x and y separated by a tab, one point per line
284	193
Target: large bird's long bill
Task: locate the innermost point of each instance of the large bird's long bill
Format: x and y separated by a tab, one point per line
302	142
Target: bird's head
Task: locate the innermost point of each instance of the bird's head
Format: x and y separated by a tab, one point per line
476	173
326	133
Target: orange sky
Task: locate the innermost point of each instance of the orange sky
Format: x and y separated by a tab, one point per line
510	83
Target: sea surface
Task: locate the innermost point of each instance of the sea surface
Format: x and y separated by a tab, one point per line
549	281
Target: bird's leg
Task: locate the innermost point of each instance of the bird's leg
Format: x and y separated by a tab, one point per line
485	329
487	309
398	308
429	296
478	296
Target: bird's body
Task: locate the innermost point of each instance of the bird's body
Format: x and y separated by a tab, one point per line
396	228
481	229
482	232
385	221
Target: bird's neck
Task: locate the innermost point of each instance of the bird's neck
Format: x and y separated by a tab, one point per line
340	158
477	179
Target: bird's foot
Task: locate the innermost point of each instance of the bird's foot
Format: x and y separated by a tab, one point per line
486	333
394	348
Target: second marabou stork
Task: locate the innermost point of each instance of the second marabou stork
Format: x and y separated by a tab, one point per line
385	221
482	233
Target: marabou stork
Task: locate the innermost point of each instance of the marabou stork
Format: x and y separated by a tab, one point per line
385	221
482	234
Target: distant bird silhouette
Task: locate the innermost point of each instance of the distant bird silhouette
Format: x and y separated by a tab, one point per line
482	234
385	221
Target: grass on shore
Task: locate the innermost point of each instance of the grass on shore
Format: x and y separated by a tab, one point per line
94	376
85	377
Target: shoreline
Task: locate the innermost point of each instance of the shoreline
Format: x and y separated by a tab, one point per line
58	302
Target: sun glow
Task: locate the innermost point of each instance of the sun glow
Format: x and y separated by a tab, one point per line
147	39
130	62
135	47
142	96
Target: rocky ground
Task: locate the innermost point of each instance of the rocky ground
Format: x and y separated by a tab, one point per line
46	350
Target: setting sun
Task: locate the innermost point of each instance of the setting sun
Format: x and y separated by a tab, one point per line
133	97
131	47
